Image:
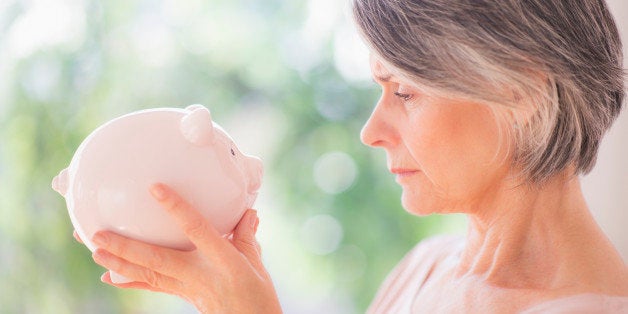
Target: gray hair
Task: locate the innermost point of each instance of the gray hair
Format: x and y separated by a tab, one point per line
561	58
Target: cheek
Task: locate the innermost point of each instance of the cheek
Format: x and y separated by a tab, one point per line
458	148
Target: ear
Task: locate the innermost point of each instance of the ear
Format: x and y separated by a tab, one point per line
197	126
60	182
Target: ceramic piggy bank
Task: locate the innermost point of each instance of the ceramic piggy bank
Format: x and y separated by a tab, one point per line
107	183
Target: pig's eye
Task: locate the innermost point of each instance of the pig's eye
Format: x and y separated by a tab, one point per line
232	152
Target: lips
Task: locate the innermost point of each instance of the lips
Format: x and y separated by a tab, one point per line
403	172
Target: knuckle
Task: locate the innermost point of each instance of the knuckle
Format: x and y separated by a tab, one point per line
150	277
248	247
248	243
177	204
195	229
119	247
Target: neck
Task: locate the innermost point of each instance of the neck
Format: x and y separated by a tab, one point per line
535	238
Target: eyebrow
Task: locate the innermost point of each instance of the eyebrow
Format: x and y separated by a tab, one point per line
382	78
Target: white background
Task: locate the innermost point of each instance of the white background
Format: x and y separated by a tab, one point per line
606	187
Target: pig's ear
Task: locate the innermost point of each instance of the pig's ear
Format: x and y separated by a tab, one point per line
194	107
196	126
60	182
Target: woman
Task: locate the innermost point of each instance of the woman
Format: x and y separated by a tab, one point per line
488	108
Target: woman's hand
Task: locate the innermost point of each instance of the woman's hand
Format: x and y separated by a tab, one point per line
220	276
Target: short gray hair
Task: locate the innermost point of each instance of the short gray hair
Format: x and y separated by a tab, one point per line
562	57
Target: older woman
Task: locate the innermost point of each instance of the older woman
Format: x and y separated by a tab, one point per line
493	109
490	108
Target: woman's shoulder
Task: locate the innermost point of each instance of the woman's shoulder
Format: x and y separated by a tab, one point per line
582	303
408	276
427	254
437	246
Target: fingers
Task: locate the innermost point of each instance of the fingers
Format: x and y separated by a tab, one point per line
106	278
204	236
244	238
135	272
163	260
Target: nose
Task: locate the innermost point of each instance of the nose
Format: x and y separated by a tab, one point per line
379	130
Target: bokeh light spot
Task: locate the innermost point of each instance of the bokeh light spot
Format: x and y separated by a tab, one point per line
351	57
321	234
45	24
335	172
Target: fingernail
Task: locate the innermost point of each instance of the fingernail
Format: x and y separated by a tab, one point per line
158	192
253	218
99	239
102	278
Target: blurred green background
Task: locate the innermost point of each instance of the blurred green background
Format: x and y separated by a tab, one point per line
288	79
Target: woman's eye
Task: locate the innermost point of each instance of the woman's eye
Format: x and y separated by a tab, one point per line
232	152
404	97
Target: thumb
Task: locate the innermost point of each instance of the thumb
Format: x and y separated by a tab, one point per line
244	237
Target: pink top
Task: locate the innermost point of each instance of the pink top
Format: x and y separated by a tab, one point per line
400	289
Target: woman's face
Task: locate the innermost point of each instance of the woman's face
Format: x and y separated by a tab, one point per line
446	154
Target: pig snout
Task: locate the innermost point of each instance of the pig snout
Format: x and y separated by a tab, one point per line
255	171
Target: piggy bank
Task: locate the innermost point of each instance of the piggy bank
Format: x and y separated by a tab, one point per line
106	185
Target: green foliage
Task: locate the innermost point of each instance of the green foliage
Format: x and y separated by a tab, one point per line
232	56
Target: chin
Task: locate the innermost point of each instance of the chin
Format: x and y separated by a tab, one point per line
418	206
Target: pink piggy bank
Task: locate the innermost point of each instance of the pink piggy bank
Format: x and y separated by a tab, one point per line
106	185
